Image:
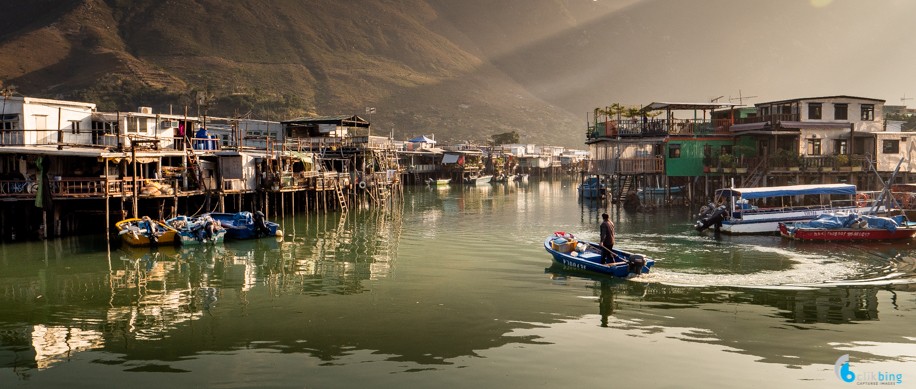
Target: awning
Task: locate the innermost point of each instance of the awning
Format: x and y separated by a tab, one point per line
749	126
791	190
9	117
843	126
450	158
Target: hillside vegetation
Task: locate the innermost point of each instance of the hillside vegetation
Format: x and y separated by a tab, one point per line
410	59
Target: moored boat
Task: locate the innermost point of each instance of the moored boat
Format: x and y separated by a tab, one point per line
849	227
569	252
197	230
245	225
743	217
144	232
438	181
479	180
592	188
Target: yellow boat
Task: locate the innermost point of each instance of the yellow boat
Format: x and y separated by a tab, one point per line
135	232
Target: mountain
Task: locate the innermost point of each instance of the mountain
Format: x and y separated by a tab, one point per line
464	70
276	60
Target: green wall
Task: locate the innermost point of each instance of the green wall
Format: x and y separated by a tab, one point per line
690	162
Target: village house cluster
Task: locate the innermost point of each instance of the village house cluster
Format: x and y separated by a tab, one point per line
696	148
83	168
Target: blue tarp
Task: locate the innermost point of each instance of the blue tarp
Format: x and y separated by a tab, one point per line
421	139
791	190
881	222
832	221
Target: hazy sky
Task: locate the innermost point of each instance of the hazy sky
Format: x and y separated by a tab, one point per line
638	51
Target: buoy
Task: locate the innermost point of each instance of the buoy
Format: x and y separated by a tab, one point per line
362	184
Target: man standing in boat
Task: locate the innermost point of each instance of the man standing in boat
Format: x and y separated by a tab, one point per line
607	239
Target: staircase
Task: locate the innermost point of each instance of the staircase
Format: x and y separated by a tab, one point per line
752	179
627	183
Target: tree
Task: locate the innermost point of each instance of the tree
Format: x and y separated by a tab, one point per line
504	138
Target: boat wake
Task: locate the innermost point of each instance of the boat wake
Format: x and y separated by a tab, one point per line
751	263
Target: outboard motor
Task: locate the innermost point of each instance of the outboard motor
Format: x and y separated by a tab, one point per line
714	217
637	262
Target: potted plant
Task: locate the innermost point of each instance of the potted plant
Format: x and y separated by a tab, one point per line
727	162
794	162
842	163
742	153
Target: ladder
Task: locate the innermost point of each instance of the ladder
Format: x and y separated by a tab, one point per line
344	207
338	190
194	164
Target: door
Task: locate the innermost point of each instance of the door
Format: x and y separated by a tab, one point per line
41	126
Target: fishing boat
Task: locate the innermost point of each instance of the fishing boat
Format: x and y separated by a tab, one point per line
570	252
145	232
499	178
734	211
438	181
244	225
197	230
658	191
478	179
592	188
850	227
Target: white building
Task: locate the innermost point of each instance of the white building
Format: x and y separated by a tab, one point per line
26	121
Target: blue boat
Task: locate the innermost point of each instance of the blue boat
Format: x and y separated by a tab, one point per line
571	253
592	188
243	225
197	230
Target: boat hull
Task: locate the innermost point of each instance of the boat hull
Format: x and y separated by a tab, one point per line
189	231
241	230
845	234
590	260
139	238
767	222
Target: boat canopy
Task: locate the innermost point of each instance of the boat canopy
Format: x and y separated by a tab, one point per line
791	190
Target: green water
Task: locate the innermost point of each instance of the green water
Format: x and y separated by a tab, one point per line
453	288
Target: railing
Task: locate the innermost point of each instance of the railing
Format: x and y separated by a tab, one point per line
658	127
773	118
640	165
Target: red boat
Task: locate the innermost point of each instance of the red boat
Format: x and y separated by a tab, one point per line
855	228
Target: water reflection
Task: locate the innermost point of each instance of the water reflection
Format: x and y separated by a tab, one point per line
450	282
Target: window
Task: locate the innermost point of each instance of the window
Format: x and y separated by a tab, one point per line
674	151
814	147
868	112
814	111
74	126
840	146
9	123
840	111
890	146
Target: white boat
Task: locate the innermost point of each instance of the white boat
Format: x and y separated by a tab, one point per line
438	181
479	180
741	216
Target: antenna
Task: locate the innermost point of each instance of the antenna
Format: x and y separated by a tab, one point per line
715	99
904	99
740	98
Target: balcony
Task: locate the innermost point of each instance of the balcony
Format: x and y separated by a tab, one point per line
658	128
